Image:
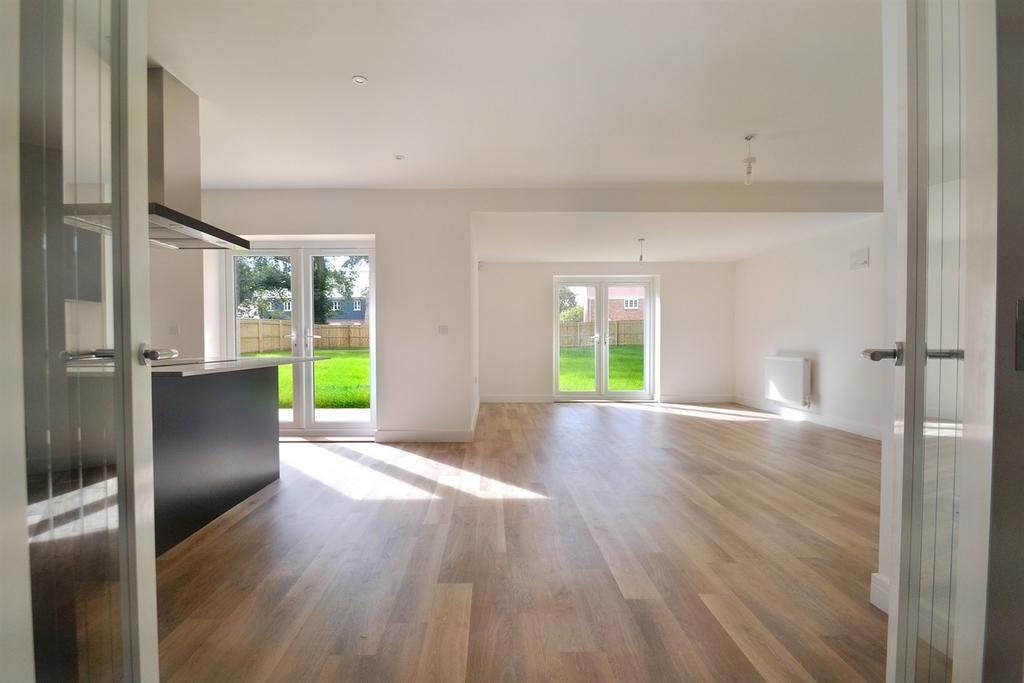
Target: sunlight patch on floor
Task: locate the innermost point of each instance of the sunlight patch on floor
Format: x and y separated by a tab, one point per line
356	481
468	482
698	411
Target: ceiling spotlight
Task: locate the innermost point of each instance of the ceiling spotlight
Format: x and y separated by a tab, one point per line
750	160
359	79
399	157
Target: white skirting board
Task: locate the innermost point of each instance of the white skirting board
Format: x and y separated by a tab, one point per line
842	424
880	591
423	435
517	398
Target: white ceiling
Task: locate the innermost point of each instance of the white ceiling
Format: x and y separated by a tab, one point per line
612	236
518	93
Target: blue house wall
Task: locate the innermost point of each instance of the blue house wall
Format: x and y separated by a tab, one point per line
347	310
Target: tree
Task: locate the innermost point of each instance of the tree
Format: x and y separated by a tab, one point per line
331	281
263	281
260	281
573	314
566	299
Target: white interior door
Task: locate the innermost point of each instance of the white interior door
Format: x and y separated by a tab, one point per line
935	631
603	339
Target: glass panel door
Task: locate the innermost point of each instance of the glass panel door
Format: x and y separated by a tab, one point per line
74	286
926	625
626	338
263	306
338	329
603	339
577	358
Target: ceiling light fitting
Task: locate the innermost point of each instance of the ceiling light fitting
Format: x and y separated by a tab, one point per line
359	79
641	241
750	160
399	157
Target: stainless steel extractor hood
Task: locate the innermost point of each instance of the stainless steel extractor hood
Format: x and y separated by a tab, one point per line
174	191
167	228
175	230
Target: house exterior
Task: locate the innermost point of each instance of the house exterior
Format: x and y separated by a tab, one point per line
624	303
347	311
340	312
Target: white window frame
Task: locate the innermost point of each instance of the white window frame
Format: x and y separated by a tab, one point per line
652	334
335	305
635	304
300	251
286	305
357	305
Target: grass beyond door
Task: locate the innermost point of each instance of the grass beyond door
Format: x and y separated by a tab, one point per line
342	380
625	368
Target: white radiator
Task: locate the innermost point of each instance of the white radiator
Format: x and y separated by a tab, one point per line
787	380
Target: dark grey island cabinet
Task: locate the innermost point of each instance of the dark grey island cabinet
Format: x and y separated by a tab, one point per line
215	440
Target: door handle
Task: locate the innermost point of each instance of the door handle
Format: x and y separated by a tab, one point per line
955	354
895	354
68	356
147	354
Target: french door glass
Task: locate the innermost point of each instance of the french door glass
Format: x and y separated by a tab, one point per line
263	302
603	339
577	338
626	336
337	315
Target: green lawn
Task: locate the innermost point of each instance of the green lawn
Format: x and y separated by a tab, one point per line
341	381
625	368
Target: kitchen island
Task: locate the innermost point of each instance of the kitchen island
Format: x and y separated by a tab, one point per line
215	439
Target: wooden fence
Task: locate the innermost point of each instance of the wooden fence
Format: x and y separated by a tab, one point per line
619	332
258	336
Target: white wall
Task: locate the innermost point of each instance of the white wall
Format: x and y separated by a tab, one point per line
803	299
424	259
517	328
177	301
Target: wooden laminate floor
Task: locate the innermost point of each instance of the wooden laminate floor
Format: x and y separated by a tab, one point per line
569	542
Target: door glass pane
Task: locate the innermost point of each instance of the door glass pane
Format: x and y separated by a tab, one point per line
627	305
70	326
941	438
263	318
577	351
341	334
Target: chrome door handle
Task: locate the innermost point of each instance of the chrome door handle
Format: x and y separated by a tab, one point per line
955	354
147	354
895	354
86	355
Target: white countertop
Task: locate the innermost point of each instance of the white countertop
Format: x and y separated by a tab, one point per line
188	368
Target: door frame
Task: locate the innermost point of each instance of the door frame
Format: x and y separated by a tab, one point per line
301	254
306	423
601	364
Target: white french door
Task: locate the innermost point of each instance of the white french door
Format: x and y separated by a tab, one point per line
303	302
603	340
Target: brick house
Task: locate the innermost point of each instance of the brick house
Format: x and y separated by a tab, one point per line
624	303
